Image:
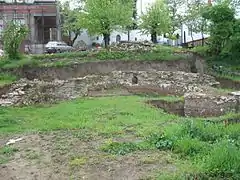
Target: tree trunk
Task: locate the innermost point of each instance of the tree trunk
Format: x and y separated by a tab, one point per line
128	35
192	39
202	28
74	39
154	37
202	39
106	38
69	38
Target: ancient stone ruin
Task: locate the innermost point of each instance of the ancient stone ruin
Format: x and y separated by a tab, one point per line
200	98
132	46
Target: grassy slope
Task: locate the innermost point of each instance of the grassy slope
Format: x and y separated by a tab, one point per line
160	53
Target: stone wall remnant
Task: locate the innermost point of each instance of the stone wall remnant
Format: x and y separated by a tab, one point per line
199	98
207	105
26	92
97	67
132	46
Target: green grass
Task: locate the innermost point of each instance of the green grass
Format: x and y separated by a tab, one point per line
211	150
107	115
157	96
6	78
62	59
233	78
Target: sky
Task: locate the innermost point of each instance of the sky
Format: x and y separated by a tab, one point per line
141	4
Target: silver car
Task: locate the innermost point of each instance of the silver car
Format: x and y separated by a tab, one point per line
57	47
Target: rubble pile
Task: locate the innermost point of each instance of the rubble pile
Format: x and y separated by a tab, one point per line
26	92
200	98
132	46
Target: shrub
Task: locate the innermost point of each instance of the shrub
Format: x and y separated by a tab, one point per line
201	50
13	36
160	141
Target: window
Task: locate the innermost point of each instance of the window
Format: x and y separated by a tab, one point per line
19	21
118	38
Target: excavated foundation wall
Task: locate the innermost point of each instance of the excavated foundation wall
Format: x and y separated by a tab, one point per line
207	105
158	82
200	100
199	105
98	67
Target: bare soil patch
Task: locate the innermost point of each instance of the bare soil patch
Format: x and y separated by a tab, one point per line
74	155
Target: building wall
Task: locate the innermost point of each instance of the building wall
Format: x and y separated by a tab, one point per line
29	13
142	6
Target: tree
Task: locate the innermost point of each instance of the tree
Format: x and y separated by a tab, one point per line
175	7
194	19
222	20
157	20
104	16
134	17
13	35
234	44
70	23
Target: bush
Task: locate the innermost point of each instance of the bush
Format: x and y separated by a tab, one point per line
160	141
201	50
13	36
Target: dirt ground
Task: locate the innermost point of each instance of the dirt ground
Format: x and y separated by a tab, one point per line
74	155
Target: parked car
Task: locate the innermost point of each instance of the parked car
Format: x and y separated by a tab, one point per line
57	47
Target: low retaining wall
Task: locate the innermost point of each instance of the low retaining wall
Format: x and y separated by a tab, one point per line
98	67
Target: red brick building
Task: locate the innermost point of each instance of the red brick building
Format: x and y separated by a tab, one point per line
41	17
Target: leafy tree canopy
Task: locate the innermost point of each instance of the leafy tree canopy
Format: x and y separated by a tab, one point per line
104	16
70	21
157	20
193	18
13	35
